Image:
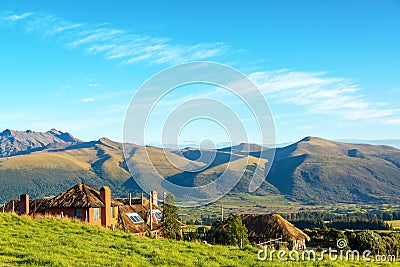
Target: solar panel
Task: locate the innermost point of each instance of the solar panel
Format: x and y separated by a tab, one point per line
135	218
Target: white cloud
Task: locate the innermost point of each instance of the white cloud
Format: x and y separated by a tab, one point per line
65	86
94	85
16	17
87	100
118	108
316	91
304	127
319	94
392	122
115	43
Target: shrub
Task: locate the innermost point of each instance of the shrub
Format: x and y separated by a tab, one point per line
367	240
232	232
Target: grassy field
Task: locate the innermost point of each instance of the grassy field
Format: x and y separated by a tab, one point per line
57	242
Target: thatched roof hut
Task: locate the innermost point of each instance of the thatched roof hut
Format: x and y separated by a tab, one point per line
263	227
79	196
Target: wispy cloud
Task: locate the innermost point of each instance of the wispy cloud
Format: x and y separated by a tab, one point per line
320	94
304	127
118	108
94	85
392	122
65	86
16	17
87	100
115	43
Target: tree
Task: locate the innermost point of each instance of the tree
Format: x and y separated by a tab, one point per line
367	240
169	223
237	231
231	232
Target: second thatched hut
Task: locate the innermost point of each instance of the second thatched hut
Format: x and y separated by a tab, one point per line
263	228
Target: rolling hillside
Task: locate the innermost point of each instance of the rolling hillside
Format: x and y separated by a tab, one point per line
313	170
62	242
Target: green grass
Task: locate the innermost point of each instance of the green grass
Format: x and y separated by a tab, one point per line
57	242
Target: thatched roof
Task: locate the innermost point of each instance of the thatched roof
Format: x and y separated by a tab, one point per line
35	206
272	226
79	196
143	211
134	201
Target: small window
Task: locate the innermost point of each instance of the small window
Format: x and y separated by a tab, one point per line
96	214
135	218
78	212
112	212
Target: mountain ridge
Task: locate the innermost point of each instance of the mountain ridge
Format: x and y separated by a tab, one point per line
14	143
313	170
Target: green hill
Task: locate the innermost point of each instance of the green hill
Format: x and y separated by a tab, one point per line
61	242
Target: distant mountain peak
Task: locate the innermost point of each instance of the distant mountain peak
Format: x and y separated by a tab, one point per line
244	148
23	142
306	139
6	132
311	138
318	141
54	131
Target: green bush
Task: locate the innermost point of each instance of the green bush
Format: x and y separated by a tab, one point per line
367	240
232	232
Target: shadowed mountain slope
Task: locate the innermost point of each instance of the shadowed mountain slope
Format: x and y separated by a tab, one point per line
313	170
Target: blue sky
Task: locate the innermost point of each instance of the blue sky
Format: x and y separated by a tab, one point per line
328	69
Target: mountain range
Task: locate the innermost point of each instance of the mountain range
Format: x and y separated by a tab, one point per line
311	171
21	142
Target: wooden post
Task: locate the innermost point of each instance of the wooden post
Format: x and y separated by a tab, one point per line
13	208
222	212
151	212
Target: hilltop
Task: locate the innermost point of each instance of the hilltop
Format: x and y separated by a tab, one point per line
310	171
